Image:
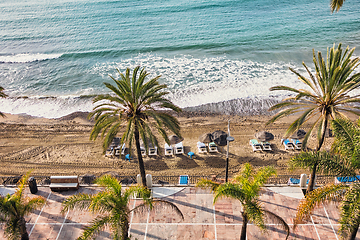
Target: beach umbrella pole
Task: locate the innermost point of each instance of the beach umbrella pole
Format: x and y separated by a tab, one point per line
228	139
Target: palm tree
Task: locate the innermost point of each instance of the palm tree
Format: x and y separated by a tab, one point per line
13	210
328	97
130	109
336	5
349	195
245	188
3	95
347	140
321	162
113	205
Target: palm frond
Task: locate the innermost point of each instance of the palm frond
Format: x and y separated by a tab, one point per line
332	192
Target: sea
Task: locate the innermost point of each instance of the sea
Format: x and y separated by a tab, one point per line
217	55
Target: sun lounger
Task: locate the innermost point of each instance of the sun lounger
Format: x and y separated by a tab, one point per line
179	148
201	147
168	150
350	179
120	150
297	144
153	151
109	152
295	181
256	146
266	146
184	180
287	144
143	150
213	147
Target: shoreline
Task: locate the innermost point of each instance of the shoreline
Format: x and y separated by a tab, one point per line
62	147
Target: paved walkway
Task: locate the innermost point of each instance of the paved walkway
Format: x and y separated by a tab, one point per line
202	219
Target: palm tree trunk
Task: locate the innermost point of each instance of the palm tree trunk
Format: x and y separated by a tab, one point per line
353	232
141	162
125	228
244	226
23	232
313	172
312	179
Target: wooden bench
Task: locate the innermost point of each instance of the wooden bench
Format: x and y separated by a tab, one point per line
64	183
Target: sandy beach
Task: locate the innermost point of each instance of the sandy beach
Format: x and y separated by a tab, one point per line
62	147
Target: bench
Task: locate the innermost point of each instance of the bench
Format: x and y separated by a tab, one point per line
64	183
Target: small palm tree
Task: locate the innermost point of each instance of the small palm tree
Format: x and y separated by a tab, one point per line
336	5
245	188
347	140
13	210
321	162
113	205
3	95
349	197
328	97
130	109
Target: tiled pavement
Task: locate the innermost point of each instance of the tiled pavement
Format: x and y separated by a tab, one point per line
202	219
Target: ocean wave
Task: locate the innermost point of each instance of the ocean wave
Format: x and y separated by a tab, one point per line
27	57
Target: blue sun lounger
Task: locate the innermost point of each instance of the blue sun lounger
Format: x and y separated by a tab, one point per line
350	179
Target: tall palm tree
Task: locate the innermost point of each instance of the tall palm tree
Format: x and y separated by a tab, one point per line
328	95
349	197
136	108
3	95
13	210
336	5
245	188
321	162
113	205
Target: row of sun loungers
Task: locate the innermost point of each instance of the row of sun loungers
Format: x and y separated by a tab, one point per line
291	144
203	149
260	146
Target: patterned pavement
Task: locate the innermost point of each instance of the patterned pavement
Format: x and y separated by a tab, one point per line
202	219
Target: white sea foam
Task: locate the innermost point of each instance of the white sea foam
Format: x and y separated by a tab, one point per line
193	81
27	57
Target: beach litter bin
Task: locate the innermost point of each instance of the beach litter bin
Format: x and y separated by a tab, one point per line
32	185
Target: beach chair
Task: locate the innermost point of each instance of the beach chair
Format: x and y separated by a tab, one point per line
297	144
256	146
109	152
295	181
143	150
168	150
179	148
184	180
120	150
152	150
287	144
213	147
350	179
266	146
201	147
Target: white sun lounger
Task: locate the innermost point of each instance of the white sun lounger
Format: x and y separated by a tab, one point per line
297	144
256	146
153	151
201	147
109	152
213	147
266	146
168	150
179	148
143	150
287	144
120	150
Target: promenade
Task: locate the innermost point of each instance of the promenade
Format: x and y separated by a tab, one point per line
202	219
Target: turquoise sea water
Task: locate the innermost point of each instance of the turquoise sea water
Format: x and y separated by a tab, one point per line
54	54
